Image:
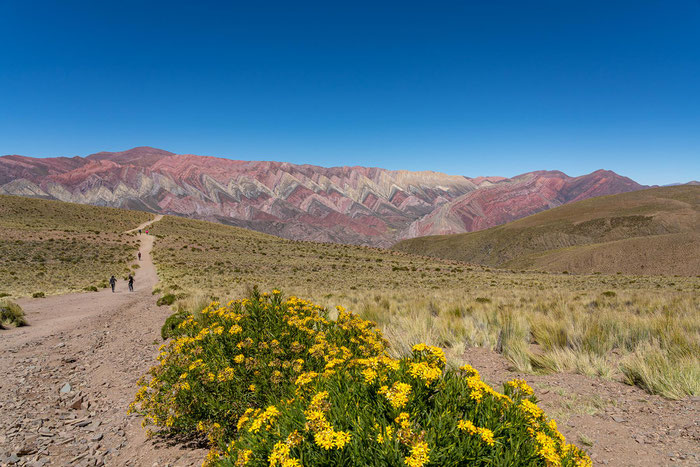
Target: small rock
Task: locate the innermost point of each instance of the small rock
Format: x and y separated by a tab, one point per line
65	389
96	437
619	419
26	450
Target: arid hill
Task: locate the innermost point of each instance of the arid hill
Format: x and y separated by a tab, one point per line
654	231
359	205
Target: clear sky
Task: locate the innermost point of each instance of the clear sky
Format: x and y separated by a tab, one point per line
464	87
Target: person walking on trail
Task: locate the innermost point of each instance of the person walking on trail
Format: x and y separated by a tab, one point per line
139	256
139	231
113	282
131	283
146	231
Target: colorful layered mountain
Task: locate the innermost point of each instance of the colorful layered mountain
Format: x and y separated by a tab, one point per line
359	205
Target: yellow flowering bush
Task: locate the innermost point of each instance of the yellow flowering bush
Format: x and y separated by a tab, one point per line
401	416
246	353
338	399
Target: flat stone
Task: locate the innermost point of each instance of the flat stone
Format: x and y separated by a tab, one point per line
65	389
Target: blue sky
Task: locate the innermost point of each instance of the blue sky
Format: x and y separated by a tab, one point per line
470	88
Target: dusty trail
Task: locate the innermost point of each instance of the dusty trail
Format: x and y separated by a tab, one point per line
100	344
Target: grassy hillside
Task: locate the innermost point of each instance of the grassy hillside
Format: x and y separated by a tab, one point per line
655	231
53	247
540	321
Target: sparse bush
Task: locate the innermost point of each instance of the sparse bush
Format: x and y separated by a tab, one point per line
91	288
167	299
483	300
11	314
609	294
3	294
275	382
38	295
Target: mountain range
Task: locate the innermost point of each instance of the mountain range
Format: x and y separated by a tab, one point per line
359	205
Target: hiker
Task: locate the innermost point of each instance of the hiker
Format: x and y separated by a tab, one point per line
146	231
139	256
131	283
113	282
139	231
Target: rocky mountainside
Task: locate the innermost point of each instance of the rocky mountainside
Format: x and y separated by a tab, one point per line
358	205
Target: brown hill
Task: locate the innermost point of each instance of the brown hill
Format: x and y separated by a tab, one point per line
361	205
653	231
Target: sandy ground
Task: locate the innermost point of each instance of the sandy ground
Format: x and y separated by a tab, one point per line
68	378
99	344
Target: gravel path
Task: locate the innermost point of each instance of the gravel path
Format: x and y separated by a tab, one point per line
69	377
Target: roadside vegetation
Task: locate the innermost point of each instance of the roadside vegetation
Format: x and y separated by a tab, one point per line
11	314
644	330
52	247
279	382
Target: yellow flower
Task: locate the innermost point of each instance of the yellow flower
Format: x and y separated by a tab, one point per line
251	388
244	418
425	371
369	375
531	410
341	439
547	449
470	370
266	418
243	457
486	435
419	455
521	385
325	439
397	395
466	425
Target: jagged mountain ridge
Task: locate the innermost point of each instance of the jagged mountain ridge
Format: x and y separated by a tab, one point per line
361	205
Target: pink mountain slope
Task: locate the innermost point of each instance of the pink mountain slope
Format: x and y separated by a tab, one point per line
360	205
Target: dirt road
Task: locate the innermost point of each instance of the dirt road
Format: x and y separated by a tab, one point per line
68	378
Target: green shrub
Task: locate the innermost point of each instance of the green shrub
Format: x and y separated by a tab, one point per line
91	288
609	293
3	294
38	295
170	328
275	382
167	299
483	300
11	314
